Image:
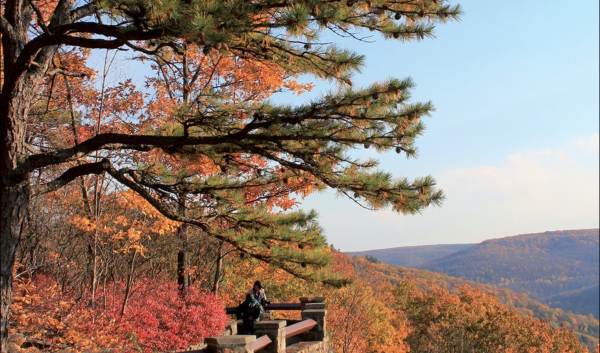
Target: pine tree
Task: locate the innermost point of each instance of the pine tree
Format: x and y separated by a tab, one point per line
308	142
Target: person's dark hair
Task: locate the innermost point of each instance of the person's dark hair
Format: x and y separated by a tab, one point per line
249	297
258	284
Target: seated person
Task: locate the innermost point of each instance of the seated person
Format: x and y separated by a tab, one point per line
259	293
250	313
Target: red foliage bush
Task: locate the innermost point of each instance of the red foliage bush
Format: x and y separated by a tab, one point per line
157	317
160	318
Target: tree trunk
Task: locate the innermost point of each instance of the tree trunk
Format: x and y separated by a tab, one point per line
183	254
183	259
215	288
19	86
129	285
15	198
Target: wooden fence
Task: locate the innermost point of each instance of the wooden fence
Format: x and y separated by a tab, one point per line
276	336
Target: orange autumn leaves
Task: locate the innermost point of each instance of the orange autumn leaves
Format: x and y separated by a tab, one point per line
477	322
199	94
360	316
377	315
131	223
186	82
41	311
430	319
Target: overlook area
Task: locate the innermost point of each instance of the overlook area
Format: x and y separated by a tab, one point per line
207	176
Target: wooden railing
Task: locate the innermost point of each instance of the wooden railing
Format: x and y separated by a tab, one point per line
273	307
290	332
273	336
261	343
299	328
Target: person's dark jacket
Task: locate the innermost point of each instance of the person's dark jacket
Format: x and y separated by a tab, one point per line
250	313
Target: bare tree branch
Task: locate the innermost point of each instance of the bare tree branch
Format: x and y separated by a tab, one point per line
117	141
72	174
65	72
60	37
40	17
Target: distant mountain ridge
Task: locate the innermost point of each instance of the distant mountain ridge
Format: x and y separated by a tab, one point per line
559	268
579	301
413	256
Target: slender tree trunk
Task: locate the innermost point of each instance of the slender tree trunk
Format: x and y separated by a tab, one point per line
129	284
183	259
94	283
183	253
215	288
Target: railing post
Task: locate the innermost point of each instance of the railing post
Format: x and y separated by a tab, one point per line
230	344
231	329
315	306
275	330
315	309
303	302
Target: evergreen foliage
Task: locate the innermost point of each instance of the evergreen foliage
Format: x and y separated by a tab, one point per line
310	142
253	144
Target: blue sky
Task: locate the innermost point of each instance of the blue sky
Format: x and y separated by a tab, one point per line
514	140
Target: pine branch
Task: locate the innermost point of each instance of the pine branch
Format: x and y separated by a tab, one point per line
72	174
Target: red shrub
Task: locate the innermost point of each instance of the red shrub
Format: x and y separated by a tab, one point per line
157	317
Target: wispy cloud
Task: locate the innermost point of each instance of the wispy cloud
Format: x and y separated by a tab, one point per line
530	191
589	145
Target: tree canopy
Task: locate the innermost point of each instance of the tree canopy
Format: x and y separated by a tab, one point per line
204	148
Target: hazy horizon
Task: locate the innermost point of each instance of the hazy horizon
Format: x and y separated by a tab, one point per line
446	244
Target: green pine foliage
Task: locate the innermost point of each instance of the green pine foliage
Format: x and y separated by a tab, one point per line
285	32
306	144
314	141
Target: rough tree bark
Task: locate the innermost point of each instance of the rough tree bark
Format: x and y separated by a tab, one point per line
18	91
15	103
15	198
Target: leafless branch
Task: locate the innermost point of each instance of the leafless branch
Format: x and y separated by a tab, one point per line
72	174
40	17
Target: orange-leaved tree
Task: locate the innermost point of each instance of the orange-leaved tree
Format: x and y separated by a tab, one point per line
361	316
475	322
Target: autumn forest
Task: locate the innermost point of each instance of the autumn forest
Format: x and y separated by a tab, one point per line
137	206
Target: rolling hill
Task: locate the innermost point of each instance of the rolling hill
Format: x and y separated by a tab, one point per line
559	268
587	327
581	301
